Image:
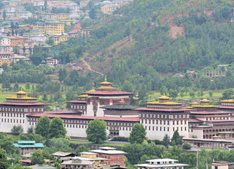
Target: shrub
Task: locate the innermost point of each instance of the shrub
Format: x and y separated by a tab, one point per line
157	142
120	139
187	146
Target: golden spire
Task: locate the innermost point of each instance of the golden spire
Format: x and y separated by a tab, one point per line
105	82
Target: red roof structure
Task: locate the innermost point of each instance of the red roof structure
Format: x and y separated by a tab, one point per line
109	93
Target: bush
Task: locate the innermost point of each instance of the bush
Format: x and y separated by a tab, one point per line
187	146
157	142
120	139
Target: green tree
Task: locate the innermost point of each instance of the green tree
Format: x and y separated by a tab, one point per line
37	157
191	94
166	141
210	93
42	126
93	14
227	94
82	148
51	41
16	130
138	134
62	74
56	128
187	146
16	87
96	131
4	66
127	86
163	90
27	86
45	96
173	93
4	163
30	130
176	138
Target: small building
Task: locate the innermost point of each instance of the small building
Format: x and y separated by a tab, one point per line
17	58
161	163
51	61
64	154
98	162
28	146
115	157
76	163
222	165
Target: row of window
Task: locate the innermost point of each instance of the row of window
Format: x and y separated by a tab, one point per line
120	128
217	118
12	120
76	121
153	128
118	123
163	116
12	114
21	109
165	122
78	107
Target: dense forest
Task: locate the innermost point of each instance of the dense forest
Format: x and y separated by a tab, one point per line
153	57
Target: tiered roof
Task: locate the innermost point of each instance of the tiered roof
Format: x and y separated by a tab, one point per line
106	89
164	105
21	99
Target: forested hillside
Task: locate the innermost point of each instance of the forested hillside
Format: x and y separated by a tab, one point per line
149	56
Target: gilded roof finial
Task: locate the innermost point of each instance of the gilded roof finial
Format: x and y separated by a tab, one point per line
105	79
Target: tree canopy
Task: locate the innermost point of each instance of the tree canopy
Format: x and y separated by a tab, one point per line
37	157
138	134
96	131
56	128
43	126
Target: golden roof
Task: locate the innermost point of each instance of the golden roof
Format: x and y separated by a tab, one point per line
194	103
164	97
205	106
106	82
228	100
164	103
105	88
21	92
22	98
83	95
204	100
92	90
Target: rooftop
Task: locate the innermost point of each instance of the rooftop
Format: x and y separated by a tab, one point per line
109	93
109	152
36	145
62	154
162	109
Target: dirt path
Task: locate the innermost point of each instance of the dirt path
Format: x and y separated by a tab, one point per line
89	67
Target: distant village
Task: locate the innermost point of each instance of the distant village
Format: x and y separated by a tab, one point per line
18	37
